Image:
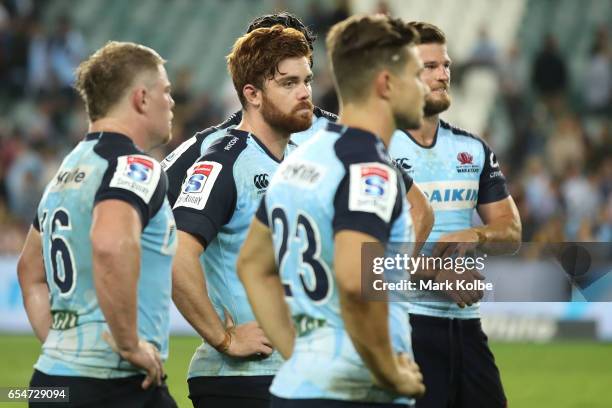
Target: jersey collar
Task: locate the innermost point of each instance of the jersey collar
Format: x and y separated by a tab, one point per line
347	130
242	133
435	140
110	136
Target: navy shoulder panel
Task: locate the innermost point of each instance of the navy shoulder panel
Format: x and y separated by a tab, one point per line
233	120
202	134
112	145
357	146
177	170
228	148
458	131
354	147
318	112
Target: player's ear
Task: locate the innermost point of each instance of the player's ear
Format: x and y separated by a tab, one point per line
139	99
382	84
252	95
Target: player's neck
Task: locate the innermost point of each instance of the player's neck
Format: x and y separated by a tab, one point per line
426	134
359	116
111	124
274	139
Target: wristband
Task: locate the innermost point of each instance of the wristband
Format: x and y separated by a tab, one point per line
225	344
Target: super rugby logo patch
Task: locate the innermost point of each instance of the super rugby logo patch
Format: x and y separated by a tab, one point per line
138	174
373	189
199	183
197	180
139	169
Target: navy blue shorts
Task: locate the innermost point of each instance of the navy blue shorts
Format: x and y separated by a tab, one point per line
458	367
230	391
101	393
327	403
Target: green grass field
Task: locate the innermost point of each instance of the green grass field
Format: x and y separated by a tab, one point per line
556	375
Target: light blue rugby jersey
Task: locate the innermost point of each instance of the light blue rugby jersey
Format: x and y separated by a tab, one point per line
341	179
182	158
217	202
457	172
102	166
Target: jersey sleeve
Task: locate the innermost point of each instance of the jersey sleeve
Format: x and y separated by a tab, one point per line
367	200
187	153
262	212
178	162
208	196
136	179
492	184
36	223
408	181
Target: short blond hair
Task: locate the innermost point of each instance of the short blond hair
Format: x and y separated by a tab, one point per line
103	78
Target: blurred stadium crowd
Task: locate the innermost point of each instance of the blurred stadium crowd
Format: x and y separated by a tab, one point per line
558	158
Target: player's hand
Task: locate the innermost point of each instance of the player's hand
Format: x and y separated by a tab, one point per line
144	356
461	297
410	380
456	243
248	339
407	380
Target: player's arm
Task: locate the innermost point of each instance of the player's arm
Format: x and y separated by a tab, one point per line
422	215
356	221
123	206
190	294
502	228
115	239
501	232
366	322
421	211
205	204
259	275
33	283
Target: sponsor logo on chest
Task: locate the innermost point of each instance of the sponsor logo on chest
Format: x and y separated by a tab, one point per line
404	164
466	163
261	182
451	195
301	173
70	178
